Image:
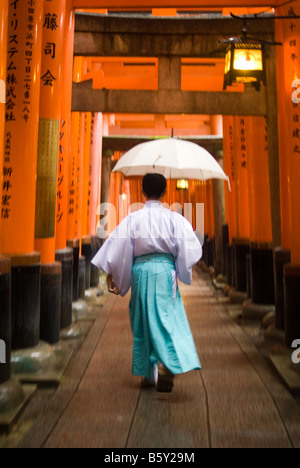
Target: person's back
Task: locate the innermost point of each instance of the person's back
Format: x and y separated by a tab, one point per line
148	251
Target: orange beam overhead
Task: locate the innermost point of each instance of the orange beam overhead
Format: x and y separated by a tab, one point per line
150	4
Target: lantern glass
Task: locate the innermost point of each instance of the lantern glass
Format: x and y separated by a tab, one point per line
182	184
248	60
228	61
245	63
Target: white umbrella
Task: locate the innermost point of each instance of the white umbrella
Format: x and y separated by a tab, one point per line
173	158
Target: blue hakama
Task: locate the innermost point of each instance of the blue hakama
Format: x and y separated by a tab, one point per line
147	252
161	331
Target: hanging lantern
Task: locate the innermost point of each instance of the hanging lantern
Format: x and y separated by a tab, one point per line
245	63
182	184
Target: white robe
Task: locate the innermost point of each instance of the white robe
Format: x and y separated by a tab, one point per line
154	229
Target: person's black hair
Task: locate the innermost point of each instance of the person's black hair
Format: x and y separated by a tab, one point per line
154	185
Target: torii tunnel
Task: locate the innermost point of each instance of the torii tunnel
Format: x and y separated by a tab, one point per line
83	81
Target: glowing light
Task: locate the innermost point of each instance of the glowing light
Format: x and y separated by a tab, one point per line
248	60
182	184
244	63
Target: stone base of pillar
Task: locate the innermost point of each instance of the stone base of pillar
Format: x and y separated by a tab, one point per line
11	395
237	297
13	399
65	256
225	242
95	272
252	311
45	364
82	271
37	360
233	262
262	274
5	320
292	301
74	245
51	284
273	333
219	282
25	300
211	252
241	250
229	265
282	257
205	250
71	333
289	372
87	253
79	310
248	275
90	295
102	286
95	300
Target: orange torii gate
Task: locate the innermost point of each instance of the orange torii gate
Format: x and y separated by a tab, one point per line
19	182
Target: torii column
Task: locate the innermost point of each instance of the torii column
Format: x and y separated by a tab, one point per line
19	173
291	69
48	151
3	46
230	206
241	247
219	201
95	189
62	253
11	392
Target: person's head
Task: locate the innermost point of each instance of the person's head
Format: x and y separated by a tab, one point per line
154	186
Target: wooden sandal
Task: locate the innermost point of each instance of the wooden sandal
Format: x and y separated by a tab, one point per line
165	382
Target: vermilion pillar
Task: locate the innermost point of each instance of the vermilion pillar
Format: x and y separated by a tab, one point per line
219	200
64	254
72	241
95	189
291	71
47	161
283	129
282	255
75	194
95	173
19	171
86	167
86	239
80	177
65	131
230	207
49	127
262	271
209	222
242	204
21	127
75	136
3	45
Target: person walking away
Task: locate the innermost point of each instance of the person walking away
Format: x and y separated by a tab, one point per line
147	252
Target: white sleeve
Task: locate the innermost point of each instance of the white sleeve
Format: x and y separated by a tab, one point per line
189	250
116	257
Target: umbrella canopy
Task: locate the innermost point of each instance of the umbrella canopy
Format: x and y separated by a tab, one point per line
173	158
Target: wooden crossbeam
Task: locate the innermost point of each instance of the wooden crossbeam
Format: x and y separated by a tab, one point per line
87	99
116	143
186	4
100	36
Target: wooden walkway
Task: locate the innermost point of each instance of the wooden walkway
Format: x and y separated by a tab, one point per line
236	400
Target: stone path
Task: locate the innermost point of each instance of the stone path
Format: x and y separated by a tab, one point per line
236	400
